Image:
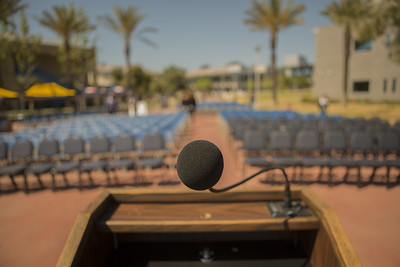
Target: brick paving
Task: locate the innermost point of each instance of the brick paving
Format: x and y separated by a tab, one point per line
34	227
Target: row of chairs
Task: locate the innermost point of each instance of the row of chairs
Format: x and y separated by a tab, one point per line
88	126
238	126
332	151
46	118
52	158
271	114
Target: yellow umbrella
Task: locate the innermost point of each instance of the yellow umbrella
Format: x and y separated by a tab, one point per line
48	90
7	93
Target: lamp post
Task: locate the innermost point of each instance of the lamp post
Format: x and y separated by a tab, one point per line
256	87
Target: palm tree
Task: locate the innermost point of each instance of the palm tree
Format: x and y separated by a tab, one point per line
125	23
66	22
352	16
385	20
9	8
273	16
9	48
392	15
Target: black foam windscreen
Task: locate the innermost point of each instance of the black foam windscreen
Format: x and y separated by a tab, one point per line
200	165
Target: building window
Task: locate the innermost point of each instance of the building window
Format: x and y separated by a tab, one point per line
394	86
362	46
360	86
384	85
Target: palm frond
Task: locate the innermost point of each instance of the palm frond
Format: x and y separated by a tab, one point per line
147	30
290	14
9	8
273	15
125	22
349	13
109	22
148	42
66	21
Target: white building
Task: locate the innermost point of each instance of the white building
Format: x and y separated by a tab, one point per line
231	77
296	65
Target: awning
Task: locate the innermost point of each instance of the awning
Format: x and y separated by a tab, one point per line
4	93
49	90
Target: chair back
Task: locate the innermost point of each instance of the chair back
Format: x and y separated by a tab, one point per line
153	141
238	131
74	146
387	142
307	140
99	144
22	149
48	147
280	140
254	139
335	140
124	143
3	151
361	141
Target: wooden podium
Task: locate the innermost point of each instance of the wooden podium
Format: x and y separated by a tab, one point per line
154	227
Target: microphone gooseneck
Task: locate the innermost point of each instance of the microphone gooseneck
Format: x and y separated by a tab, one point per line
200	165
287	196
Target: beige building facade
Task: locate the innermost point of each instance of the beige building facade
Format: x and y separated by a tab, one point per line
373	75
232	77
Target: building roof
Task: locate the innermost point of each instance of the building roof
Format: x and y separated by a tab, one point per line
228	69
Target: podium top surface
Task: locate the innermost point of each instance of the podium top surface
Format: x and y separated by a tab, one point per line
197	217
188	211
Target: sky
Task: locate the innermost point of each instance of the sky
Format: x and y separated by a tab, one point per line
190	33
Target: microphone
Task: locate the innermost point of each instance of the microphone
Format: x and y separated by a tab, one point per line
200	165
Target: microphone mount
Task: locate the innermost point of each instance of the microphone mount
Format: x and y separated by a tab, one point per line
285	208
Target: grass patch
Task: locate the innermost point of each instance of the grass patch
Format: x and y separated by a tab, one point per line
303	101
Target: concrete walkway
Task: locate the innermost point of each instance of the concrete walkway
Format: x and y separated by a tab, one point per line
34	227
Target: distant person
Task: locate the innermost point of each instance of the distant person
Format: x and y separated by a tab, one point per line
111	105
142	109
132	105
323	103
189	102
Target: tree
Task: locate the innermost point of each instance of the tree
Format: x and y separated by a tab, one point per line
83	58
392	21
8	8
284	82
18	50
301	81
125	23
173	79
25	49
266	82
385	20
204	84
156	86
66	22
117	75
351	15
273	16
140	81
